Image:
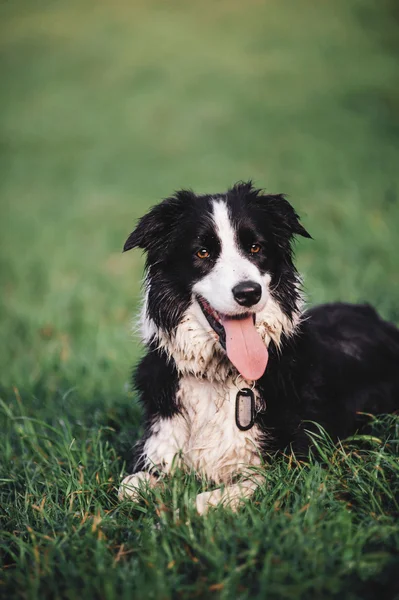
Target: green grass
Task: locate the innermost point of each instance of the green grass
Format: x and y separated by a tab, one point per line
105	108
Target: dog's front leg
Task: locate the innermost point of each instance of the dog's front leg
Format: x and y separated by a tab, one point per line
159	453
231	496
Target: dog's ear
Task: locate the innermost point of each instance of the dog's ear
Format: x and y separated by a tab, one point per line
287	218
154	230
275	208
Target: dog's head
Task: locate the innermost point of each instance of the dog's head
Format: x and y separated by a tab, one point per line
220	274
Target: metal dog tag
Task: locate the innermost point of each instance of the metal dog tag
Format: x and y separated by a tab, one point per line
245	409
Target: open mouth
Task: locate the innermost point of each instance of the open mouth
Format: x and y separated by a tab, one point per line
216	319
240	340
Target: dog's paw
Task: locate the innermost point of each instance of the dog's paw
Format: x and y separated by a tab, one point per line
132	485
206	500
230	497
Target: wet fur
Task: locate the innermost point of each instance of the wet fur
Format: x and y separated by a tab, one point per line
326	365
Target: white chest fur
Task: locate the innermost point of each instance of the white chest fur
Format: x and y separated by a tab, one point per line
205	434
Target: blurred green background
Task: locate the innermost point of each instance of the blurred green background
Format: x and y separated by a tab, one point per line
106	107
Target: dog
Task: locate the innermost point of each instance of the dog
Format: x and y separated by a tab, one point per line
235	367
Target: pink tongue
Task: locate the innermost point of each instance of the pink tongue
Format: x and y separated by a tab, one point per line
245	348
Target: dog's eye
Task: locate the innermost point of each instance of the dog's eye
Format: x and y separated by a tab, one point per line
203	253
255	248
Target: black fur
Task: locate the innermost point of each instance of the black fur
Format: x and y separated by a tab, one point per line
343	359
343	362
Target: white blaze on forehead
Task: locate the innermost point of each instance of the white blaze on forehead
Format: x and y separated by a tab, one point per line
231	268
225	229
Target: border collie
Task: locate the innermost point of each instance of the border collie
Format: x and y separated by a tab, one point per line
235	369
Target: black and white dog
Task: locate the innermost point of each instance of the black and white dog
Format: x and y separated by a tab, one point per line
235	369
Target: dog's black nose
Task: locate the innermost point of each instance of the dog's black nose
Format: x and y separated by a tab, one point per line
247	293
